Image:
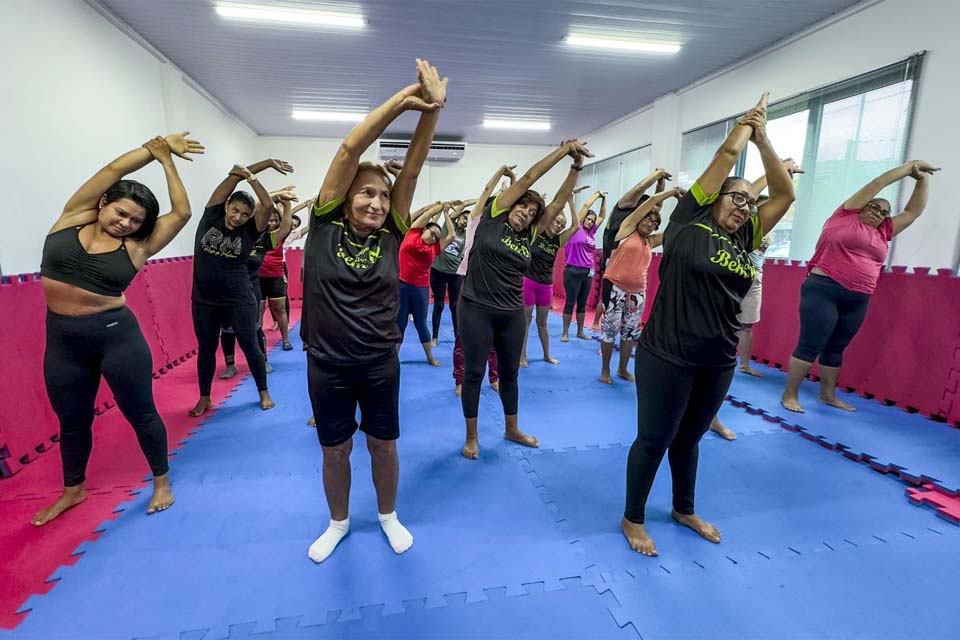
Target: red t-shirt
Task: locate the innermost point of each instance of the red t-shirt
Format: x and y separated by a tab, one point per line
272	266
416	257
850	252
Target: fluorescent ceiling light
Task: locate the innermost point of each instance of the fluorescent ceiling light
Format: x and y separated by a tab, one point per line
329	116
262	13
527	125
619	44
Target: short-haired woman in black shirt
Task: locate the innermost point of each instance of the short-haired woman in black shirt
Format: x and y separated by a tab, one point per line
230	227
491	305
351	296
687	352
106	233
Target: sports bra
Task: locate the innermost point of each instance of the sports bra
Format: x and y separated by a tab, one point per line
65	260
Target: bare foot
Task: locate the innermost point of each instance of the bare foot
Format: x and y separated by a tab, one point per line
458	390
495	386
722	431
433	343
266	402
596	328
791	404
564	338
433	362
275	327
471	450
698	524
834	401
750	371
524	363
71	497
203	405
312	422
584	336
162	495
551	360
515	435
637	538
605	378
229	372
626	375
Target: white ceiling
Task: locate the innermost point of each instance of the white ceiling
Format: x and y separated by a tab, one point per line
503	57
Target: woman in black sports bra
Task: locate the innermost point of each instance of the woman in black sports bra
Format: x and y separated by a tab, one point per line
108	230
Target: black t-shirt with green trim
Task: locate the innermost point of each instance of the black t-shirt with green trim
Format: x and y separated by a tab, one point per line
614	222
704	274
498	259
351	287
220	257
543	255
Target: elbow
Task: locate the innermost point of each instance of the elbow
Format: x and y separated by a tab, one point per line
728	151
184	214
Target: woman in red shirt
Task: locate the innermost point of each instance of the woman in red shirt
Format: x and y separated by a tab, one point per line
843	274
421	246
273	279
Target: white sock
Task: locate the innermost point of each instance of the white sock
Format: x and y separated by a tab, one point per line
400	538
323	546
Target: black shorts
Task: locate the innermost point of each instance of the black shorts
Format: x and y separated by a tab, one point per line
337	390
273	288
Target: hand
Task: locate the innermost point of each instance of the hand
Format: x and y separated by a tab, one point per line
662	174
577	149
393	167
792	167
281	166
429	94
285	195
602	194
679	192
583	188
507	171
920	170
159	149
757	120
241	172
180	145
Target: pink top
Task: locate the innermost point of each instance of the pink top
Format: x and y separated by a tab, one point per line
850	252
580	248
472	223
629	263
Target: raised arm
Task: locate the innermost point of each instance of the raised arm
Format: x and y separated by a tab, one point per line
631	198
729	152
576	149
492	183
603	208
426	214
789	164
285	199
585	209
449	232
229	184
870	190
921	172
779	179
629	224
563	195
169	225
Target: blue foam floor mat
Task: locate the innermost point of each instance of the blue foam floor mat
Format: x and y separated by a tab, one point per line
922	449
520	544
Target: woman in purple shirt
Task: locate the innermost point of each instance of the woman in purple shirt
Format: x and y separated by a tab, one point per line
576	275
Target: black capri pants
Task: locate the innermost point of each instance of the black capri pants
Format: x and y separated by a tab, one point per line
80	350
440	283
482	327
675	405
576	286
207	323
830	317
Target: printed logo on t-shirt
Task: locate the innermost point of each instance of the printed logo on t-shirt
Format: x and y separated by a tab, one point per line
216	243
730	257
545	245
517	247
367	254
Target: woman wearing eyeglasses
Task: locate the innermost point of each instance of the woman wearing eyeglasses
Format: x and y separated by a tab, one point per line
687	352
843	273
421	245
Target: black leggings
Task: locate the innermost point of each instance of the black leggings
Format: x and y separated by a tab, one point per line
80	350
675	406
480	328
830	317
228	342
576	285
207	322
440	283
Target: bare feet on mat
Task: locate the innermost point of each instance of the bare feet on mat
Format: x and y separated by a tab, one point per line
750	371
564	338
162	495
229	372
791	403
203	405
626	375
595	328
524	363
698	524
471	450
551	360
433	343
605	378
433	362
312	422
583	336
495	386
637	538
721	430
834	401
71	497
515	435
458	390
266	402
275	327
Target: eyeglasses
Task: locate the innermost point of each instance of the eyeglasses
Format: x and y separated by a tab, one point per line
740	200
876	208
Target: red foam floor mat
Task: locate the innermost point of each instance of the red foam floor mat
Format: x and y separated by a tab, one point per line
29	555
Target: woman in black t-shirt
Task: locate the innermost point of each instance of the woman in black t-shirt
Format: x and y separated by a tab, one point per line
222	294
491	305
350	303
688	350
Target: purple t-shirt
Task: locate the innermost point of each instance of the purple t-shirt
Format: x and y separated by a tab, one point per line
581	247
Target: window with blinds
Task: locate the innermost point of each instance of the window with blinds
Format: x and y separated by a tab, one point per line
614	175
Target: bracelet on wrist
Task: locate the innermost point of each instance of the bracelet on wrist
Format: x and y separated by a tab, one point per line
576	167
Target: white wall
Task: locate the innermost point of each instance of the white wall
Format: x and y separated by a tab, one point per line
465	179
873	36
77	93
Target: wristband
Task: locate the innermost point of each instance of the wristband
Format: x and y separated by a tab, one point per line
576	167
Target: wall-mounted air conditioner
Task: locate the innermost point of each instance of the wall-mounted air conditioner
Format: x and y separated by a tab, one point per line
439	151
